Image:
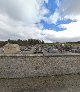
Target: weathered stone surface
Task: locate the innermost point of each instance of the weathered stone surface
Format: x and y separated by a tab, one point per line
20	66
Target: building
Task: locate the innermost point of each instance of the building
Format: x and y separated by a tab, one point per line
11	48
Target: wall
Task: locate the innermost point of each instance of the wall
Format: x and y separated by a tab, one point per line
19	66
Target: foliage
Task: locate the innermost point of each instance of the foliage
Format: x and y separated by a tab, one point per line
22	42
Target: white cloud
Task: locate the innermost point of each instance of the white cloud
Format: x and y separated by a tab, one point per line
58	2
22	10
10	29
18	18
72	33
54	17
70	7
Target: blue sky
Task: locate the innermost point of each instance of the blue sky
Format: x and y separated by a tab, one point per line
48	20
52	7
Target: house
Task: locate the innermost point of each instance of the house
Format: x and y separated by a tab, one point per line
11	48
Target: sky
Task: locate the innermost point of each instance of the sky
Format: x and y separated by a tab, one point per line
48	20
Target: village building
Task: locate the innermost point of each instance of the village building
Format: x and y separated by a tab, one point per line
11	48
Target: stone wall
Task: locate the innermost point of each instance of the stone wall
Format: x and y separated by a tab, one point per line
20	66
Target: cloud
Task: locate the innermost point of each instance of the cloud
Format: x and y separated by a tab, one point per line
10	29
54	17
71	34
21	10
67	9
20	19
70	7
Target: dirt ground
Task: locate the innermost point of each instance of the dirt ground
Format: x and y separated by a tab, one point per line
58	83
